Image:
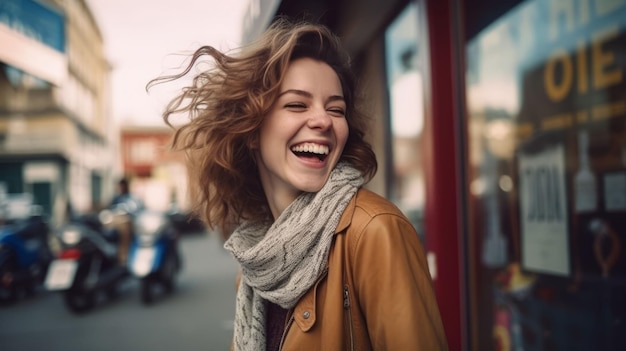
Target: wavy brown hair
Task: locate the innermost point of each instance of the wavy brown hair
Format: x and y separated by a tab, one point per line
226	105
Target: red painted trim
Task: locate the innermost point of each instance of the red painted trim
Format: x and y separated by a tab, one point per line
443	200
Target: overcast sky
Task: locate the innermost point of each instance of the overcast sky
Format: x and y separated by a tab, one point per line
142	38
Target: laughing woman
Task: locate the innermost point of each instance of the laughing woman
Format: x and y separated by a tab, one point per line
276	149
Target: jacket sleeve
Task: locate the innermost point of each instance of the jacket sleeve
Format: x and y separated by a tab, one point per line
394	288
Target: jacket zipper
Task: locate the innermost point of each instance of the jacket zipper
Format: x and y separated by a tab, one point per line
346	306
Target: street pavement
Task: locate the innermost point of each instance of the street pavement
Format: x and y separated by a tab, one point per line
198	316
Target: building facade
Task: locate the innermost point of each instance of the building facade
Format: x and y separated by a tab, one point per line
57	136
158	174
500	130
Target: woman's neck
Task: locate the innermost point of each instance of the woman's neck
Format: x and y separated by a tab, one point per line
279	200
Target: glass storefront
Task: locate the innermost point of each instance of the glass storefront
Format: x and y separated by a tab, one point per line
406	99
546	117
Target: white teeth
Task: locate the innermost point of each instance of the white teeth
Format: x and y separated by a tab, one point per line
312	148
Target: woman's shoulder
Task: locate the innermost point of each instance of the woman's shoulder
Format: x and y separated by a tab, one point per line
377	226
369	211
374	204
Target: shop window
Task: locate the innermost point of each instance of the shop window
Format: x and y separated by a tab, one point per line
546	102
406	101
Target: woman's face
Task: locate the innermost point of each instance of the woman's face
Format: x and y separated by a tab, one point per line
303	135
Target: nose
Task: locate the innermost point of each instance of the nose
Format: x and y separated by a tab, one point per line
319	119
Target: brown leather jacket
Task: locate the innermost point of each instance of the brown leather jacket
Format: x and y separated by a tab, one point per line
376	293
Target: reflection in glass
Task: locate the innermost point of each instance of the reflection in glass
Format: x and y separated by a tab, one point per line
407	114
546	103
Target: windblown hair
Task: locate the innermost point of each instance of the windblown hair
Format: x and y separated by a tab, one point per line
226	105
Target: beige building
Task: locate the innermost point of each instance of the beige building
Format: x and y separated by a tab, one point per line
57	135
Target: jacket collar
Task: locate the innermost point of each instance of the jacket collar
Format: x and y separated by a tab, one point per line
346	217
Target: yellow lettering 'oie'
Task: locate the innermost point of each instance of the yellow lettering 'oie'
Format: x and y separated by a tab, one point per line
558	90
603	75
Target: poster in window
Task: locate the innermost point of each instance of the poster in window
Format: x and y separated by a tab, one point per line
543	216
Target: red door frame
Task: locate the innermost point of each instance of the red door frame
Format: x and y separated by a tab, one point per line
442	165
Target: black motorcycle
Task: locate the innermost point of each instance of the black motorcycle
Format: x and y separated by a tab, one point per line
88	263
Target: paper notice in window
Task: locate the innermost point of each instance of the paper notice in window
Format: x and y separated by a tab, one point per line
543	213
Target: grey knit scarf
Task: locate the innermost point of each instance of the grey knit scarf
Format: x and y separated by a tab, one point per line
280	261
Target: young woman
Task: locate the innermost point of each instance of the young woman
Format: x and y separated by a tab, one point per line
277	151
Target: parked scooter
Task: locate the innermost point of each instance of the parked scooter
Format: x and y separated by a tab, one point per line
24	254
88	262
154	256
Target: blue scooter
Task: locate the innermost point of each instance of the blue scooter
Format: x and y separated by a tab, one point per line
154	256
24	254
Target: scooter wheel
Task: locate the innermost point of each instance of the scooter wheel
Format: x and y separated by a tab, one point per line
169	273
147	293
79	301
8	290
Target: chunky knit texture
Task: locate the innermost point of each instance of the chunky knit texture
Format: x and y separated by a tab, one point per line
281	261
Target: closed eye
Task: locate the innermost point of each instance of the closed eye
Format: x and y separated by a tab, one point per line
295	106
337	112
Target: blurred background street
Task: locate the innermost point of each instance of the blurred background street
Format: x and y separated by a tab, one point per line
197	316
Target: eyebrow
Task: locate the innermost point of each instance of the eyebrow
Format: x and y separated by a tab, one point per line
309	95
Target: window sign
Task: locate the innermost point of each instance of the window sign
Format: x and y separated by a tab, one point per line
543	212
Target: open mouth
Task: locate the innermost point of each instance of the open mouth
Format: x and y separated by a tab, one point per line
311	151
